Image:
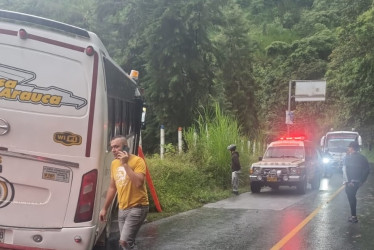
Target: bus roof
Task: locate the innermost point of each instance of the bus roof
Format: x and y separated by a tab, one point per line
21	17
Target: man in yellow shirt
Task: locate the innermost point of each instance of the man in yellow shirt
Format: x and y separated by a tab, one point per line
128	181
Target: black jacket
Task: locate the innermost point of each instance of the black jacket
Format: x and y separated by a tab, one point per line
235	163
357	167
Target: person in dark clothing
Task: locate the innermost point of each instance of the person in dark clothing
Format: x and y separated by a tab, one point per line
235	168
356	171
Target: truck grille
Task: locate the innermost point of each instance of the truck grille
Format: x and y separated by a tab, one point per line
274	172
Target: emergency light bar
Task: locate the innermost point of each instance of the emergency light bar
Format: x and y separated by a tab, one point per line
296	138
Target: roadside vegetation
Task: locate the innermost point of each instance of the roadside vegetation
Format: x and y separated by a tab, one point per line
369	154
201	173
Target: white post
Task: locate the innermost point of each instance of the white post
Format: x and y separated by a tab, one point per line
180	139
194	138
249	146
254	147
162	141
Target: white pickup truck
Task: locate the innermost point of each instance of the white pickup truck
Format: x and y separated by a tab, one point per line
291	161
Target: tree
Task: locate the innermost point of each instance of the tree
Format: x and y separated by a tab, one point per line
235	76
351	73
179	60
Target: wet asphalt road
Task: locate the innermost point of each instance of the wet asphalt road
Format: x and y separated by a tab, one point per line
261	221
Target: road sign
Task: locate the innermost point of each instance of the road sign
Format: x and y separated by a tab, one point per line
289	117
309	91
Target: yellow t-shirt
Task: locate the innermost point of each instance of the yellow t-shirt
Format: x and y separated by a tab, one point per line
128	194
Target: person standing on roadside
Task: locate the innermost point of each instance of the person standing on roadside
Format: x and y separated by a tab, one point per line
128	181
235	168
355	173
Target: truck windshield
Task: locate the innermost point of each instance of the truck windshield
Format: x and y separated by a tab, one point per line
338	142
338	145
284	152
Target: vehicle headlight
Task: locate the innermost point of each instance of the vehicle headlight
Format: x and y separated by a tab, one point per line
255	170
325	160
293	170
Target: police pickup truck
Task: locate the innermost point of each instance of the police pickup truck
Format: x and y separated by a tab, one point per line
290	161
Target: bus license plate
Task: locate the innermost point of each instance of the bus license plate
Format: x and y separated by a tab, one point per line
272	179
2	235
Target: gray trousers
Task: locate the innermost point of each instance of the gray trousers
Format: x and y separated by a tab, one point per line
129	221
235	180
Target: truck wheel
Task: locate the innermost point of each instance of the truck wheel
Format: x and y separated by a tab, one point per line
255	188
301	186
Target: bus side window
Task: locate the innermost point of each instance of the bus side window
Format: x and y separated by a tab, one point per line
125	116
117	117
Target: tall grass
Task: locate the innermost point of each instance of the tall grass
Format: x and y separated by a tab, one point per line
207	141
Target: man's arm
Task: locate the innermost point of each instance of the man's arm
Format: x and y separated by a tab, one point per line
345	177
137	179
111	192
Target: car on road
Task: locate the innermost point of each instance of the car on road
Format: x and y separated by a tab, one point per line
289	161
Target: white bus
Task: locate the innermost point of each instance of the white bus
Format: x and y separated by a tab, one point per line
61	100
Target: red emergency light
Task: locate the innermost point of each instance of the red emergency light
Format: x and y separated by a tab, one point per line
295	138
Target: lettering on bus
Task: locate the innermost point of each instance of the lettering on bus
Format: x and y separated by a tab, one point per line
67	138
15	85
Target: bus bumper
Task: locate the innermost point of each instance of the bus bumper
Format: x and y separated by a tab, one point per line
48	239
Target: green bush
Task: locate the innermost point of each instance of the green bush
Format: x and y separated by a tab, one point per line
369	155
180	183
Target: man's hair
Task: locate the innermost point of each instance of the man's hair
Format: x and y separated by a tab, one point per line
354	145
122	138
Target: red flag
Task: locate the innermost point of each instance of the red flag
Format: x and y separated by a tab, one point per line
150	183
